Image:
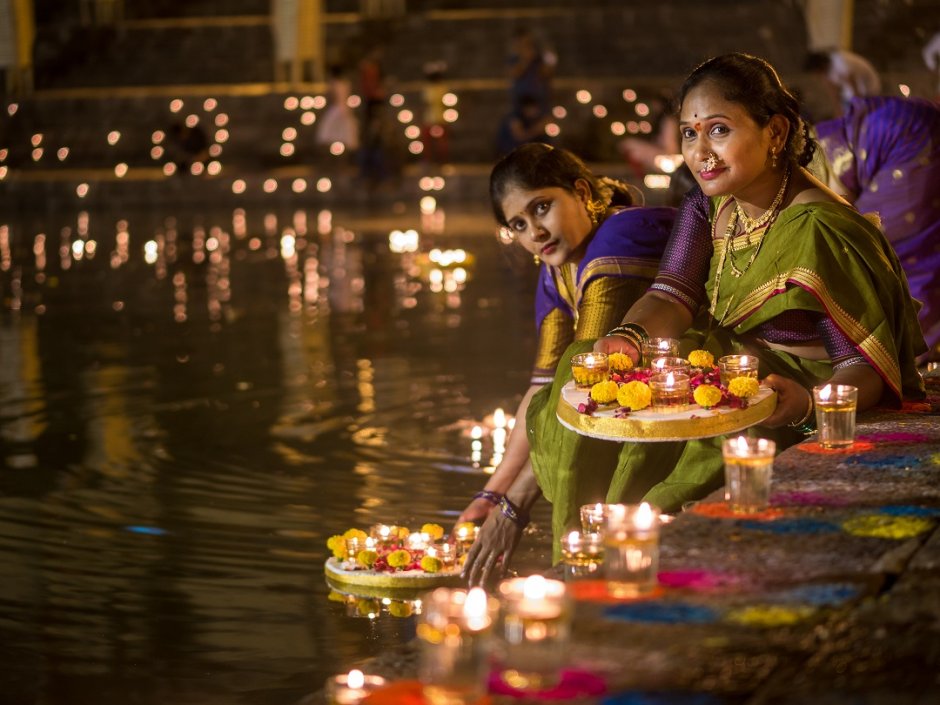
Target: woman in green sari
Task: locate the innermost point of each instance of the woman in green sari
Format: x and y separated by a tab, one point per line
786	270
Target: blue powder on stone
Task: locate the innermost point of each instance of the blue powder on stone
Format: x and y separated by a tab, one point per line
662	613
673	698
790	526
909	510
816	595
899	462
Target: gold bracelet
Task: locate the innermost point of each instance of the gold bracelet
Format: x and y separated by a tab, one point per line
806	416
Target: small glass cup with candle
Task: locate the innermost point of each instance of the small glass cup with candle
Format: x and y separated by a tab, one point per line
631	549
454	631
733	366
465	534
670	391
582	554
594	518
835	414
535	630
659	347
418	541
589	368
445	552
351	688
670	364
354	545
749	464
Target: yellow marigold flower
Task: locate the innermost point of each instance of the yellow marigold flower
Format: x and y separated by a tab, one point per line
356	534
399	558
635	395
701	358
337	544
619	362
430	564
743	387
367	558
435	531
401	609
604	392
707	395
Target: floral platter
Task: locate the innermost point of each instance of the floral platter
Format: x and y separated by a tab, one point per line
616	405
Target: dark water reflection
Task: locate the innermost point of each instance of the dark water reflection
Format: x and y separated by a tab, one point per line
180	437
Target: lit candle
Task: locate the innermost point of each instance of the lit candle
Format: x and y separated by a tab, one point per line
835	414
675	364
418	541
536	629
670	391
659	347
589	368
749	464
582	554
631	543
351	688
733	366
593	517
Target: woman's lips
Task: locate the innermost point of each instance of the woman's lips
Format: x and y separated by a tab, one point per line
711	174
549	248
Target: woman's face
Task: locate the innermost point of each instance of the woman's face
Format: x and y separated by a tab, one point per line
711	125
551	223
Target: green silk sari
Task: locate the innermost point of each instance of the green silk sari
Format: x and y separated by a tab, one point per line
820	257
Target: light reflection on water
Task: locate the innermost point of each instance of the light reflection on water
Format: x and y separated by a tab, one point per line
191	406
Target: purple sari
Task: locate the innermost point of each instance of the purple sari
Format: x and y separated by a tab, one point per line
886	151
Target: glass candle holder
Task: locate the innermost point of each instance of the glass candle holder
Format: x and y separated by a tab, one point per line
443	551
749	464
670	364
454	632
670	391
535	630
353	546
465	534
589	368
387	534
351	688
835	414
417	541
732	366
594	518
659	347
631	549
582	554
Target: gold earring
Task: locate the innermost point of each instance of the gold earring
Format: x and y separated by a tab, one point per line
773	157
535	258
595	209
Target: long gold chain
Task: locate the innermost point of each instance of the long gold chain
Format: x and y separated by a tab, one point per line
726	243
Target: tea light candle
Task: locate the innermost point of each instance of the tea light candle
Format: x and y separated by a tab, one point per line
386	534
671	364
659	347
418	541
749	463
670	391
732	366
454	636
631	555
353	546
836	406
351	688
582	554
589	368
593	517
444	552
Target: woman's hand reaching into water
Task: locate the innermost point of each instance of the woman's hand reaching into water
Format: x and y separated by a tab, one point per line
492	551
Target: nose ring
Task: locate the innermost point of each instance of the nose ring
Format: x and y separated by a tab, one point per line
711	161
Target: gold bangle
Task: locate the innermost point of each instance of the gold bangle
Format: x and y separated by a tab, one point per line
806	417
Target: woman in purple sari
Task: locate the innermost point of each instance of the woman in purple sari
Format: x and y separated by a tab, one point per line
598	251
885	157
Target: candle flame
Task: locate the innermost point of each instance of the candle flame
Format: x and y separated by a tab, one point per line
644	517
663	344
589	360
370	542
355	679
670	379
825	392
534	588
574	538
475	609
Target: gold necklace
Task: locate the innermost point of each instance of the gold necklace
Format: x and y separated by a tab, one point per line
749	224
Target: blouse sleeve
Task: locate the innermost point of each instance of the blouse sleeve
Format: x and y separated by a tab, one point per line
684	267
839	348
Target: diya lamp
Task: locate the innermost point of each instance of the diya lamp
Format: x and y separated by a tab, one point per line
588	369
535	630
670	391
351	688
749	464
631	549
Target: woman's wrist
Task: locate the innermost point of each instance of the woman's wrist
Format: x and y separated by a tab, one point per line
489	496
513	512
633	333
806	424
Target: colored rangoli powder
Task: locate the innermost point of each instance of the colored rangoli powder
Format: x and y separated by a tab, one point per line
883	526
769	615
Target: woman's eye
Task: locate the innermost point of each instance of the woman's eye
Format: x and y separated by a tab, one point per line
719	130
688	133
541	208
517	225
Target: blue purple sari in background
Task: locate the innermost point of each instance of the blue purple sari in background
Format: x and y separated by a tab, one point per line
886	151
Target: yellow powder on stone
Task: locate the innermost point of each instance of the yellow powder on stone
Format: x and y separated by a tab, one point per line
770	615
883	526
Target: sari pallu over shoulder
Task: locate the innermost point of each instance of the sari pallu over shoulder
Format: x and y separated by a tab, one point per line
826	258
